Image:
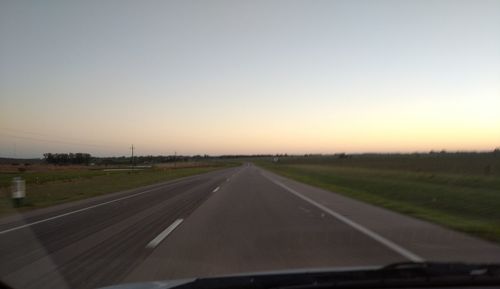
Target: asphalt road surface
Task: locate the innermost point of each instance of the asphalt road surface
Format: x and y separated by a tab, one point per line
236	220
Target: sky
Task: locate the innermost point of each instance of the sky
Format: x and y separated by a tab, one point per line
248	77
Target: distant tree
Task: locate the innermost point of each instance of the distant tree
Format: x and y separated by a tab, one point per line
341	156
49	158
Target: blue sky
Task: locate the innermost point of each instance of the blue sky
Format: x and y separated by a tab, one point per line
248	76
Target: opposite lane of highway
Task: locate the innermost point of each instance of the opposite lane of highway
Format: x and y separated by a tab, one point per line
98	241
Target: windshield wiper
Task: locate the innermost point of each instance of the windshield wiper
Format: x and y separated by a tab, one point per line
428	274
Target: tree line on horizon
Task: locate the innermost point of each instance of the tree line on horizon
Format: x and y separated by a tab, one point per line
67	158
86	158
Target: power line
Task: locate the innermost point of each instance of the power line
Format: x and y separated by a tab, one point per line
51	140
26	132
48	141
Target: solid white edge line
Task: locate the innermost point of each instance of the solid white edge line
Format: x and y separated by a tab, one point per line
216	189
164	234
76	211
388	243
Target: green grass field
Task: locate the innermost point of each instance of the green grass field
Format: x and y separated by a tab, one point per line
47	188
456	192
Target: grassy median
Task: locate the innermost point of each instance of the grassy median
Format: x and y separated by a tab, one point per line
52	186
464	197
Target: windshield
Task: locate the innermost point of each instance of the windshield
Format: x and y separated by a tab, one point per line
161	140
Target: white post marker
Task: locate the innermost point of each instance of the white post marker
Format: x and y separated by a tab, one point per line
18	191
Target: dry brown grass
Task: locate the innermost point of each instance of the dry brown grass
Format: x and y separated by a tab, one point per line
8	168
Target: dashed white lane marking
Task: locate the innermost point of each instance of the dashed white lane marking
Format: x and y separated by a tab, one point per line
388	243
164	234
216	189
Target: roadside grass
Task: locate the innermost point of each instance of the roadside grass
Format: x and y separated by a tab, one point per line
464	202
486	163
50	188
48	176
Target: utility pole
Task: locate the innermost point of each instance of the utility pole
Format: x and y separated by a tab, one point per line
175	159
132	159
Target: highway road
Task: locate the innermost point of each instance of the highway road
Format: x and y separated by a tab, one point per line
242	219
